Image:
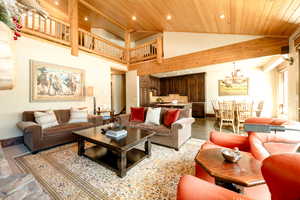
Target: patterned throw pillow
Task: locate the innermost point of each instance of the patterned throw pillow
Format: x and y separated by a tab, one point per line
153	116
46	119
78	115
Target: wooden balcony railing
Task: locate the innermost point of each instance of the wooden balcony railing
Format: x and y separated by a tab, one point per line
50	28
59	31
95	44
143	52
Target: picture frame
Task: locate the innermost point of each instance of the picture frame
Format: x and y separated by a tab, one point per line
52	82
235	89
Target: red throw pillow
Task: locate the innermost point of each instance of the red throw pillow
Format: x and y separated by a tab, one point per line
137	114
171	116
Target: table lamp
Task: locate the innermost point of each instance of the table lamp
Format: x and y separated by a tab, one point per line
90	93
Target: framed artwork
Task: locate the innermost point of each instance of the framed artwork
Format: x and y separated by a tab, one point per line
233	89
51	82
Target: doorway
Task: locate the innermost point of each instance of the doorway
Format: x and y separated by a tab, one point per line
118	93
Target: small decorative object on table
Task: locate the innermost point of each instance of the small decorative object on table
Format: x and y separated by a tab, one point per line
231	155
116	134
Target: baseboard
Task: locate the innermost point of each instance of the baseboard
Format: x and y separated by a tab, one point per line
12	141
210	115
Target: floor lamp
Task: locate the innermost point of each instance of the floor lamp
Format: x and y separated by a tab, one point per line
90	93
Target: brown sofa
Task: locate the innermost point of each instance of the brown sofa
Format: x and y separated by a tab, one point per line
174	136
36	138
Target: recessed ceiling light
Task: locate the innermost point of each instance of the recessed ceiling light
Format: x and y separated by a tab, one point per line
56	3
169	17
222	16
86	19
133	18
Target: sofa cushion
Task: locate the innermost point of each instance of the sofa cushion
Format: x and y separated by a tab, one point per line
153	116
137	114
63	128
159	129
46	119
78	115
171	116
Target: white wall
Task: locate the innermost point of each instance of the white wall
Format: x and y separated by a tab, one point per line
260	86
180	43
14	102
132	90
108	36
118	93
293	81
148	39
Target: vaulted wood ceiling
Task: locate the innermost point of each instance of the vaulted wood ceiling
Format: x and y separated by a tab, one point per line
256	17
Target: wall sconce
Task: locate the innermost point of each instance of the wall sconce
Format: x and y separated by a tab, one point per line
290	60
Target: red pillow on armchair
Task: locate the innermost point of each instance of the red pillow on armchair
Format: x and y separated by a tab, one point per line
137	114
171	116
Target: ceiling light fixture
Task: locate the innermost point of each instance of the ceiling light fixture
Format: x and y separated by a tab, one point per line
86	19
56	3
169	17
133	18
222	16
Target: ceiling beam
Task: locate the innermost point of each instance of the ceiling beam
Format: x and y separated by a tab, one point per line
91	7
239	51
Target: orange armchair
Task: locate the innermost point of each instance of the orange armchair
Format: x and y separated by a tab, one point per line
260	145
281	173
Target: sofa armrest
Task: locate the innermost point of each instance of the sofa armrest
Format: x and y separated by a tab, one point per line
179	124
28	127
123	119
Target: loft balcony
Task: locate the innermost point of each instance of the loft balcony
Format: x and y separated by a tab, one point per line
58	31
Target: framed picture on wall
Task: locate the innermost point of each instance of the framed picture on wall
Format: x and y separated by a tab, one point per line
51	82
233	89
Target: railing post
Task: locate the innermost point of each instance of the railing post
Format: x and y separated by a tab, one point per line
73	18
159	50
127	46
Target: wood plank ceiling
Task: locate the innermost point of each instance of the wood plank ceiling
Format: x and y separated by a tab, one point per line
253	17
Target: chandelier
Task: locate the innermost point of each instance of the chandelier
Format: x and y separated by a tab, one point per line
236	77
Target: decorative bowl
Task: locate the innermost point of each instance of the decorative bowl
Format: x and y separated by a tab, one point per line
230	155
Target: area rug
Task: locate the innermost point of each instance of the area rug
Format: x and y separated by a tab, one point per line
65	175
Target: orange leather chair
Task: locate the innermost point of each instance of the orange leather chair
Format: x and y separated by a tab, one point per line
281	173
260	145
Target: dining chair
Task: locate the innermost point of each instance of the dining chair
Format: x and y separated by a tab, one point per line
244	111
226	110
215	107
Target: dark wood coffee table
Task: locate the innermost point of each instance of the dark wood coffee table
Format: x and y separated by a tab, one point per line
117	155
246	172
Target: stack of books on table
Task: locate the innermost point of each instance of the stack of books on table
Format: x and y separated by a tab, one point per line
116	133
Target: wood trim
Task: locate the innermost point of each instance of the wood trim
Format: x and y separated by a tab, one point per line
73	16
159	50
239	51
210	115
44	36
12	141
297	41
101	39
100	54
127	46
143	45
91	7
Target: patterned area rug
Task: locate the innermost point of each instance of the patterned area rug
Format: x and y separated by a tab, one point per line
65	175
